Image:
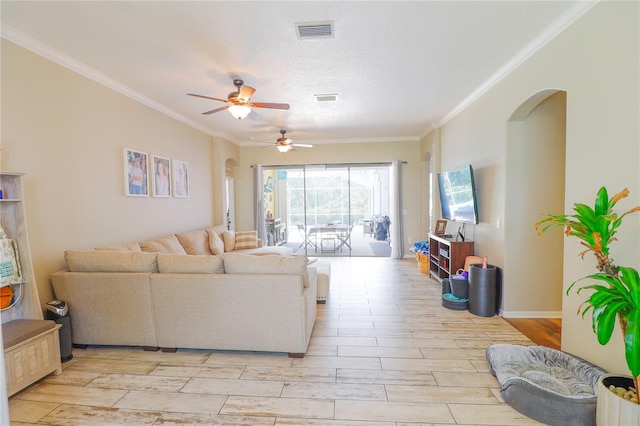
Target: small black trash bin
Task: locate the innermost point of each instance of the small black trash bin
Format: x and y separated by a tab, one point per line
58	311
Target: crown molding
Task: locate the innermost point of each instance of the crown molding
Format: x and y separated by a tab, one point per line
61	59
552	31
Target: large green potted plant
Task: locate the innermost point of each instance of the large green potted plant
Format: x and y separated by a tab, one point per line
617	295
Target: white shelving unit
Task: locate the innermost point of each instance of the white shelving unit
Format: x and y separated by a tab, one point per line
13	220
34	350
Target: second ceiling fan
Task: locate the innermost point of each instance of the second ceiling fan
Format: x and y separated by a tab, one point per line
284	144
240	103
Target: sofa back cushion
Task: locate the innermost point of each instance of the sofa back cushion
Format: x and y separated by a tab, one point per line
195	264
168	244
246	240
110	261
122	247
195	242
239	263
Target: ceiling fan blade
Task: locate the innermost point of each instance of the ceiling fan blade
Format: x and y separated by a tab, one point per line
302	145
207	97
268	105
216	110
245	93
255	116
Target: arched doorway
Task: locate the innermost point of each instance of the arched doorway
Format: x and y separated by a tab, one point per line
535	182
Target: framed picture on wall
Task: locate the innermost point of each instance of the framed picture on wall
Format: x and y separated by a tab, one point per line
180	178
161	177
136	173
441	226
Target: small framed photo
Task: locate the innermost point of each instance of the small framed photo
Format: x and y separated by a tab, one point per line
161	177
441	226
180	178
136	173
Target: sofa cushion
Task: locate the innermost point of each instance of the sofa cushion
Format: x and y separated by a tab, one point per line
194	264
240	263
122	247
168	244
246	240
261	251
195	242
219	229
216	245
110	261
229	238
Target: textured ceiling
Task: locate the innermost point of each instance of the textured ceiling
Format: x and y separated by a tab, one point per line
397	67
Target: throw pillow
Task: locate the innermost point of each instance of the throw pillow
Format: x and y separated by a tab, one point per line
246	240
229	238
216	245
195	242
169	244
195	264
240	263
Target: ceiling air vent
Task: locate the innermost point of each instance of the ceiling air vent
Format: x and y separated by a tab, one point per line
326	98
314	30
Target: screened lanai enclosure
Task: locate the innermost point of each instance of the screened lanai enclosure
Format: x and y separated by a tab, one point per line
327	210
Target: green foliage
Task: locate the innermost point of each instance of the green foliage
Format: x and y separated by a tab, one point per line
594	227
619	299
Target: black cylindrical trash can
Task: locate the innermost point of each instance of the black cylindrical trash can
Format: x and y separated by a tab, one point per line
483	294
58	311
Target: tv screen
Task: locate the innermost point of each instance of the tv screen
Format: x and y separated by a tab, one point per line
458	195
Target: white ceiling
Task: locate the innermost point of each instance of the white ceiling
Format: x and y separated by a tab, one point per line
398	67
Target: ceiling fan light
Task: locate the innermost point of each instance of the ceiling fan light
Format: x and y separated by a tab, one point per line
239	111
284	148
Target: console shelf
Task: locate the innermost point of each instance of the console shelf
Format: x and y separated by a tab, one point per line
447	256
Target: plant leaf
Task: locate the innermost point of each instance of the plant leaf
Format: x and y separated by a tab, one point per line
603	321
602	201
632	342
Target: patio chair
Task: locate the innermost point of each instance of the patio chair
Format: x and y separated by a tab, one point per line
308	239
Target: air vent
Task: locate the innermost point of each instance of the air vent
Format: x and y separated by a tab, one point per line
314	30
326	98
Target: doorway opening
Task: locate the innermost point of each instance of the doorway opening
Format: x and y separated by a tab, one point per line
328	210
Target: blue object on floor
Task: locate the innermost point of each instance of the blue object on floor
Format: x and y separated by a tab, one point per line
451	301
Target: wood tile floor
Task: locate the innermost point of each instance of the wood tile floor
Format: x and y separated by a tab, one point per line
384	352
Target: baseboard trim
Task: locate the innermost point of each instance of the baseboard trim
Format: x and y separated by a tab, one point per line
532	314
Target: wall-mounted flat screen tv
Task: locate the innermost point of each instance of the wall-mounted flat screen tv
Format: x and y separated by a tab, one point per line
458	195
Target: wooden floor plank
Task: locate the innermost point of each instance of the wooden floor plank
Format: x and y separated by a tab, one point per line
542	331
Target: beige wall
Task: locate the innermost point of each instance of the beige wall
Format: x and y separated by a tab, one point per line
413	186
596	61
67	134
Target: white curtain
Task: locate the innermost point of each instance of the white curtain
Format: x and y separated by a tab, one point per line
396	229
258	197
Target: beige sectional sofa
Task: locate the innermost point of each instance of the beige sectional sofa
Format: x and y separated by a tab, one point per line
159	299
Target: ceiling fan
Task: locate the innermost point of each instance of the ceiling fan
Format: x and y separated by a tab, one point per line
284	144
240	101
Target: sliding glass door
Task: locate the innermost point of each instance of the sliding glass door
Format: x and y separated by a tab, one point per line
328	210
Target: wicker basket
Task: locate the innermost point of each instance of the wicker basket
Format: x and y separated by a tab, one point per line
423	262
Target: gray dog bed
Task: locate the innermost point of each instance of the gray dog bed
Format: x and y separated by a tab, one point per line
548	385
